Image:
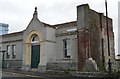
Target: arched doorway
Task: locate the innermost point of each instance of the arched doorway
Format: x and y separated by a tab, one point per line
35	51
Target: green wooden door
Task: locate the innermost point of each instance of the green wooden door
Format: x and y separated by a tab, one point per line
35	56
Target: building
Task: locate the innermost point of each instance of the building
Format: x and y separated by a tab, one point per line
117	63
3	28
68	46
117	58
118	27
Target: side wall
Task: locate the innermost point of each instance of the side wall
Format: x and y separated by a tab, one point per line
91	31
62	63
13	39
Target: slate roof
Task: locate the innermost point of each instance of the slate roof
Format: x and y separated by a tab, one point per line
67	24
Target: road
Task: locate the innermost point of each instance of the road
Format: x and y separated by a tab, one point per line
11	75
14	75
33	75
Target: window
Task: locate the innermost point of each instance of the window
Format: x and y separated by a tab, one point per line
8	52
35	38
13	51
66	51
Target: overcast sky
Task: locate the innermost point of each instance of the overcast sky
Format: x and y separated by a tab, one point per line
18	13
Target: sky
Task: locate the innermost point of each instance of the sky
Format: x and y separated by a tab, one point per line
18	13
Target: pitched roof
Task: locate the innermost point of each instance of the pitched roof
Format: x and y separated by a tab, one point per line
67	24
72	23
12	34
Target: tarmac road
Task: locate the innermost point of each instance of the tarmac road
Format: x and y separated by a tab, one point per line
11	75
14	75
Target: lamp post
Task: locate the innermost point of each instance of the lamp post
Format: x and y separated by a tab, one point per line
109	61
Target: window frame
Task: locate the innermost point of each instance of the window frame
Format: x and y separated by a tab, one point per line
35	38
8	50
14	51
65	48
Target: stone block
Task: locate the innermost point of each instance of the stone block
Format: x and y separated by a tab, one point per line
41	68
62	65
26	68
90	65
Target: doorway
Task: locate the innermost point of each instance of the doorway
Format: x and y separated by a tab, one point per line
35	56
